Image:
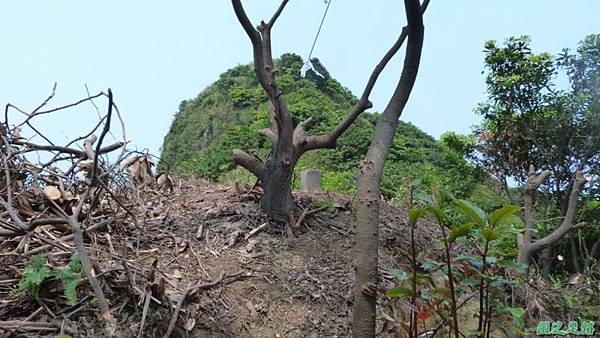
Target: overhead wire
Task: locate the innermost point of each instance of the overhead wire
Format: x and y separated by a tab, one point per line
319	30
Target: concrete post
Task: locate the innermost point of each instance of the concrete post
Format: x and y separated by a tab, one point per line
311	181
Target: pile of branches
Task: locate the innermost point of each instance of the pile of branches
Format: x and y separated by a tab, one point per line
50	203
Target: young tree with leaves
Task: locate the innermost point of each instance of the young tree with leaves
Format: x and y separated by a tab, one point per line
529	123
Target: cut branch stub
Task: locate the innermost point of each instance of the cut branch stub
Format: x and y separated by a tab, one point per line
251	163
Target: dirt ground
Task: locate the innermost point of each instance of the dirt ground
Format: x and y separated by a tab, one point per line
268	284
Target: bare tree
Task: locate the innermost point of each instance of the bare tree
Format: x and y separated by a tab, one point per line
370	172
527	246
290	141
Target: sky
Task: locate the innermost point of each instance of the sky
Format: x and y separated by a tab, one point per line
154	54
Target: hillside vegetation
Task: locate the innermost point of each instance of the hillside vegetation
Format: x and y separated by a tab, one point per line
230	112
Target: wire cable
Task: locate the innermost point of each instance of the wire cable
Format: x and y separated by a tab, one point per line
319	31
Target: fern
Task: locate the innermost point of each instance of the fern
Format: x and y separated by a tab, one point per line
36	272
70	278
34	275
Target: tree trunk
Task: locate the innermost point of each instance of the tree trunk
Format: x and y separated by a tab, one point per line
367	220
546	257
289	141
544	245
369	178
524	256
277	199
574	256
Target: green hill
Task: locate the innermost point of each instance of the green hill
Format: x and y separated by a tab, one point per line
229	113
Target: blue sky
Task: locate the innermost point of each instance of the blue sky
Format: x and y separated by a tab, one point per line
154	54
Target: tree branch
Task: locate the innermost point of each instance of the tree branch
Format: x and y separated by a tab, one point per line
300	133
255	38
263	66
277	13
268	133
66	150
567	223
249	162
329	140
578	183
533	183
105	130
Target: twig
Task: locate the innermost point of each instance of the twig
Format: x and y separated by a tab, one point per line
147	298
43	248
195	288
306	213
78	235
255	230
27	326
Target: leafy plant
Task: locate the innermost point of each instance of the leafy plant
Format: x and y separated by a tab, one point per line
33	276
481	276
37	272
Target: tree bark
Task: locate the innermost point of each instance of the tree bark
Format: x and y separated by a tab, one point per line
369	179
277	184
528	248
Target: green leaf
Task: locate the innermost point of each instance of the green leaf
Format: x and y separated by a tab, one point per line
70	278
432	266
517	267
414	215
440	197
514	311
441	291
37	262
398	292
471	211
503	213
423	197
496	282
490	234
34	275
75	263
401	275
473	333
437	212
460	231
476	261
470	282
491	260
70	284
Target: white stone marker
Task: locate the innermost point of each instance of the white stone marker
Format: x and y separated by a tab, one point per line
311	181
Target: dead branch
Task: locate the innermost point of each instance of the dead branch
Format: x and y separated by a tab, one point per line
27	326
255	231
223	279
305	213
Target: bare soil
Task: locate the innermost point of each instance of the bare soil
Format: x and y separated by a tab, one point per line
273	284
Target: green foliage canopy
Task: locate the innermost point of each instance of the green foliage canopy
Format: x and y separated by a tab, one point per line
527	120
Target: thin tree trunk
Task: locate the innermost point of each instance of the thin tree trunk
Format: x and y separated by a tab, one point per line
546	256
528	248
369	179
574	256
